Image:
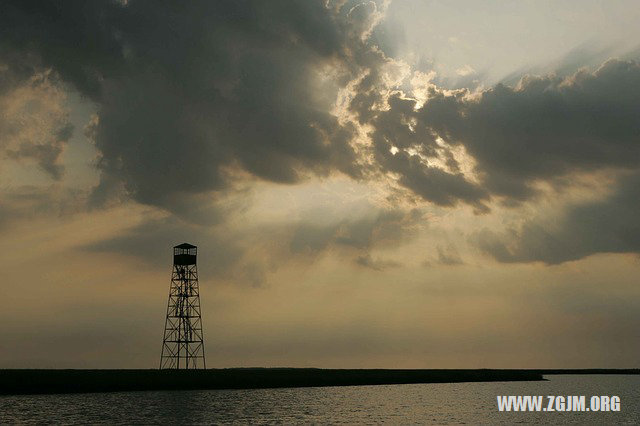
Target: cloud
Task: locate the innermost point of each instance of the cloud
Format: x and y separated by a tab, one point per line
375	228
193	98
546	127
465	70
34	124
191	94
609	225
357	236
224	254
403	149
28	202
376	264
543	130
448	255
247	254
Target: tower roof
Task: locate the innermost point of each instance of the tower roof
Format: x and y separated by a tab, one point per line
185	246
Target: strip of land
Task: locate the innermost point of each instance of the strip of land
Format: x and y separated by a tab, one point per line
81	381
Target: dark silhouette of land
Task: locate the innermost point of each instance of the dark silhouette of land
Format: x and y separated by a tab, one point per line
76	381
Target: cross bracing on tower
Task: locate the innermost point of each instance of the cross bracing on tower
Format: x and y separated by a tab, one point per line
183	342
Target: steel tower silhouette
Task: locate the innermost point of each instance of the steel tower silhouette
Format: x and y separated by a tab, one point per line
183	343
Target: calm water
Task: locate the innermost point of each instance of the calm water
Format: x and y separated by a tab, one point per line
469	403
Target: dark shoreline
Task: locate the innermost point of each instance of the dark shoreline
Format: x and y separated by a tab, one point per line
82	381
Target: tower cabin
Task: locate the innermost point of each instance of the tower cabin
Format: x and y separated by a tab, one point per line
184	254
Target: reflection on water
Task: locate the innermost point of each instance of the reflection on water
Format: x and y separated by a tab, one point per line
470	403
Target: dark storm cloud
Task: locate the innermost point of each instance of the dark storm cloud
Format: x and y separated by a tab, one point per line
607	226
393	129
433	183
187	91
545	128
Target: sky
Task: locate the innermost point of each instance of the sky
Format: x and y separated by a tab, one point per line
370	184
